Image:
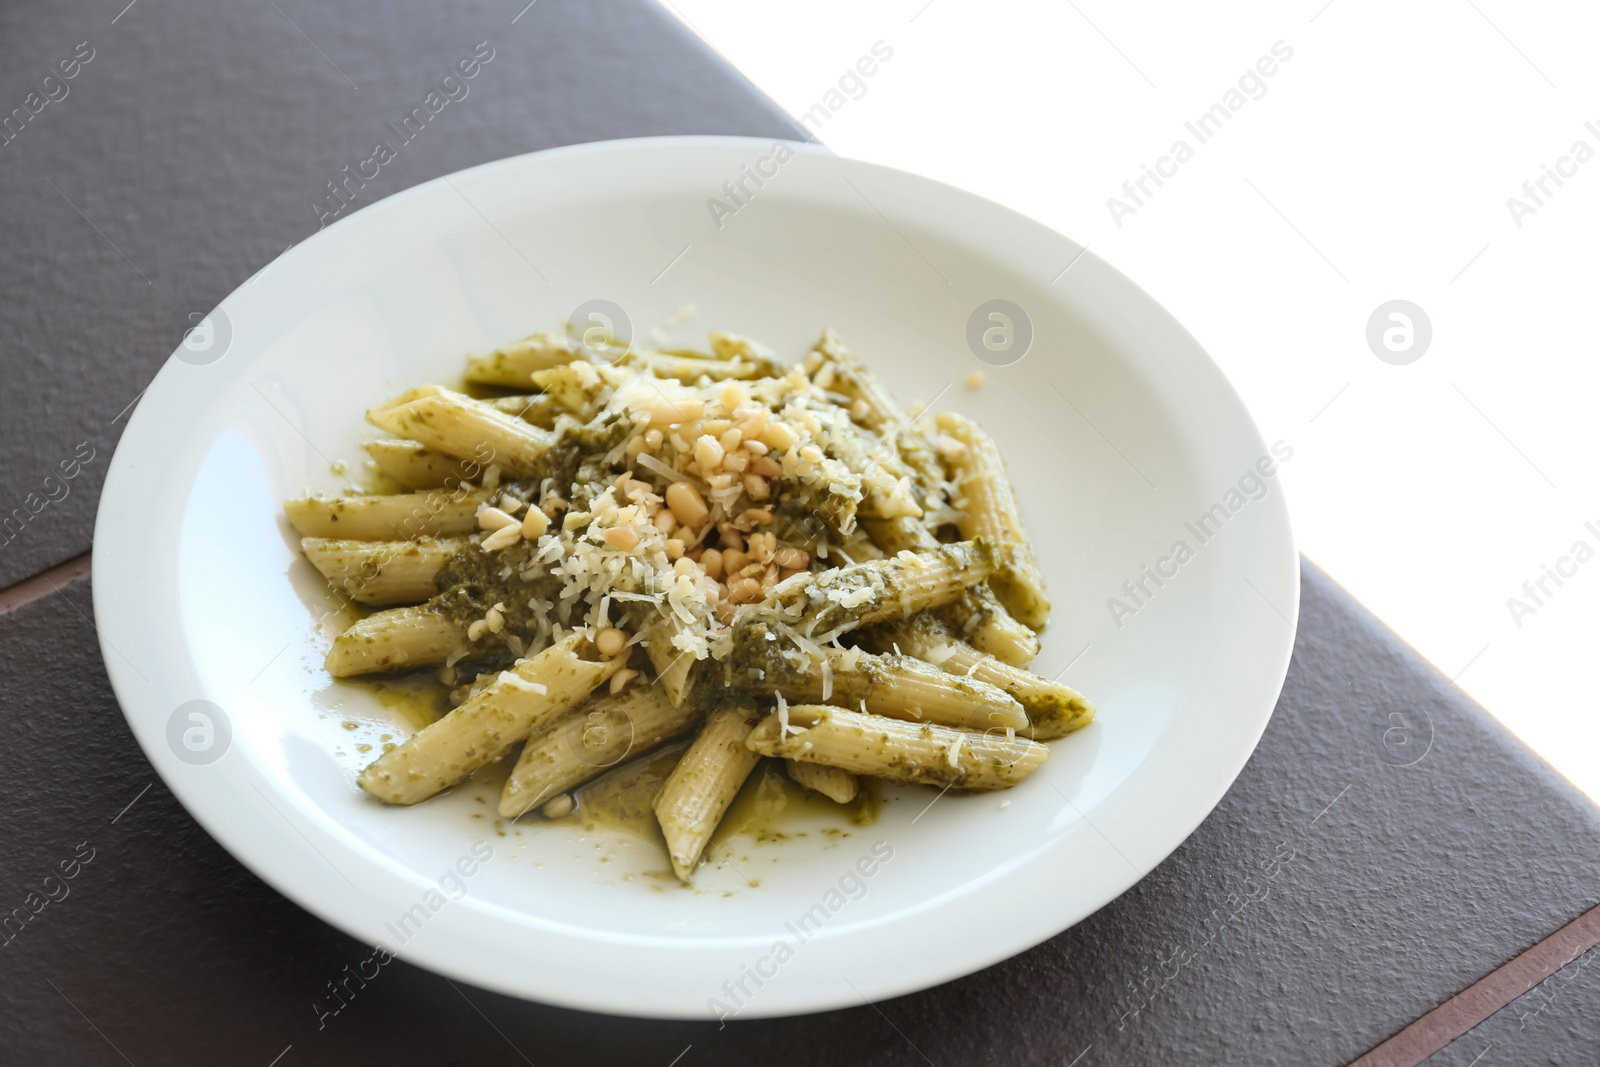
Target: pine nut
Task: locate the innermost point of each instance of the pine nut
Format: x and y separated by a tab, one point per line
534	524
791	559
492	519
611	641
674	412
687	504
504	537
708	453
745	591
780	437
754	424
621	537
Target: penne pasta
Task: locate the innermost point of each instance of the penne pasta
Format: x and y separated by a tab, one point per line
758	529
734	346
576	387
879	412
417	467
898	686
703	784
833	783
513	365
382	573
877	590
460	426
396	517
902	534
903	687
595	736
833	496
672	664
902	751
978	614
395	640
1053	709
992	514
488	724
984	623
541	409
691	369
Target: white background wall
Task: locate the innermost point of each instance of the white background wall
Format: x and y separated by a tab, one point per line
1376	166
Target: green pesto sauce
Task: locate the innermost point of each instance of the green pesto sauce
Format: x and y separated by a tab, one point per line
417	696
769	807
621	798
471	582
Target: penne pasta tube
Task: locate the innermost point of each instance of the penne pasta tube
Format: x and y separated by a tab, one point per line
691	369
992	514
541	409
850	377
984	623
578	387
726	345
898	686
833	497
878	590
673	665
833	783
394	640
392	517
879	412
700	788
888	748
513	365
488	723
1053	709
417	467
460	426
905	533
901	687
382	573
595	736
978	614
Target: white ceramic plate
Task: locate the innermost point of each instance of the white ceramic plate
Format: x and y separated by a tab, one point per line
1119	431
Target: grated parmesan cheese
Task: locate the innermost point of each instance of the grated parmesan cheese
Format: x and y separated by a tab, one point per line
517	681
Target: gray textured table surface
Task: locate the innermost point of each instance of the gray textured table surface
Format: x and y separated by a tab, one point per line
1337	893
